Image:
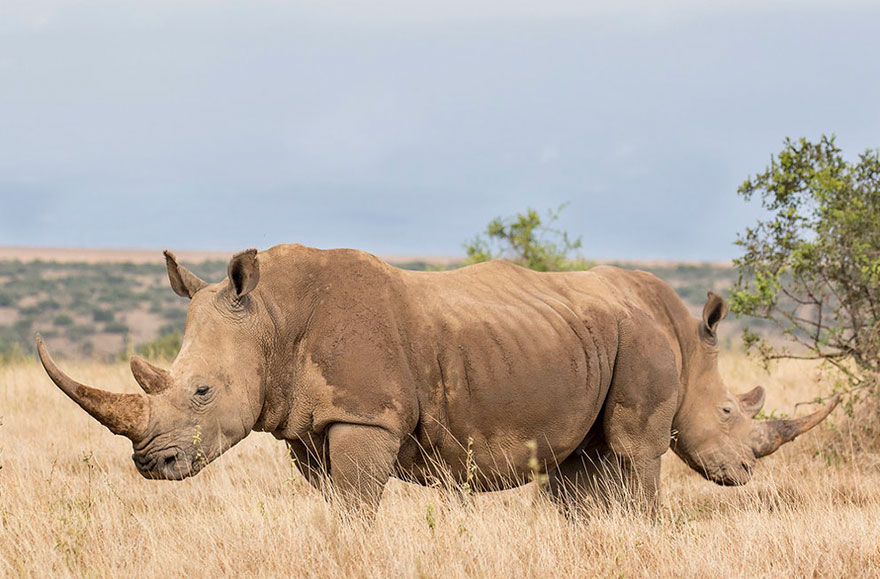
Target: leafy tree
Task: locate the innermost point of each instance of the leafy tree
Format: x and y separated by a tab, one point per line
529	241
813	266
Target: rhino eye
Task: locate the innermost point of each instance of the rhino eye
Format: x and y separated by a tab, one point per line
726	410
202	390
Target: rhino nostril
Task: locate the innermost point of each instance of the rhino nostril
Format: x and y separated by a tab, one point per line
169	460
142	461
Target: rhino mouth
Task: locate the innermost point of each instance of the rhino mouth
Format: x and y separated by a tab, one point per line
728	477
175	462
167	464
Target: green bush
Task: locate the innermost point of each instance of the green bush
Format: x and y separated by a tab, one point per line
100	315
77	332
63	320
174	315
525	239
812	267
115	328
12	352
164	347
48	304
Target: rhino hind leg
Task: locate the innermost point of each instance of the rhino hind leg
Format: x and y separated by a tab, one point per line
362	459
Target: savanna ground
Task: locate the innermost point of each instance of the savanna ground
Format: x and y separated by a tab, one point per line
72	504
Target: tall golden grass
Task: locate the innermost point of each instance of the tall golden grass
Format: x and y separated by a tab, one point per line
72	504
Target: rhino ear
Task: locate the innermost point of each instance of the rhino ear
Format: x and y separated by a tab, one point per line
244	273
713	312
184	282
752	401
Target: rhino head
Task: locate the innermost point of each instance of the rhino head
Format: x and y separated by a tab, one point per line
189	415
715	430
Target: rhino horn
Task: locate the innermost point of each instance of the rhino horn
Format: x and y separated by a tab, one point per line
151	378
769	435
125	414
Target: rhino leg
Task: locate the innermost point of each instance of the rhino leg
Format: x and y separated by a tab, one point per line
361	461
607	479
309	453
619	460
633	482
573	482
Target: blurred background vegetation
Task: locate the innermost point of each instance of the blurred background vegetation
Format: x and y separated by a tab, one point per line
92	310
105	311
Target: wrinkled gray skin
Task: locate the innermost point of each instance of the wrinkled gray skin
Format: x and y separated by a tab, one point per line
368	371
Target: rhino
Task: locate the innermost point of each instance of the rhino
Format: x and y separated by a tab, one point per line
486	374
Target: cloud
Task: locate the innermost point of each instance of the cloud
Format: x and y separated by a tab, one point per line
405	126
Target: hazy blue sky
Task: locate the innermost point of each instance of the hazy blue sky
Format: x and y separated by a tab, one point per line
403	127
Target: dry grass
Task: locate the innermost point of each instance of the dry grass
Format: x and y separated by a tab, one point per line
71	504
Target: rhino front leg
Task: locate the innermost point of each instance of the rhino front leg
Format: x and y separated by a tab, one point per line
620	461
634	482
638	412
608	480
361	461
309	453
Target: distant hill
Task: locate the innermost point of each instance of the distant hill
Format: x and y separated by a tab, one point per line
104	304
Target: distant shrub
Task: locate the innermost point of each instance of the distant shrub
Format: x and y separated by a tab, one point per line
166	346
12	352
78	332
63	320
48	304
415	265
692	293
168	329
174	315
6	300
115	328
23	326
100	315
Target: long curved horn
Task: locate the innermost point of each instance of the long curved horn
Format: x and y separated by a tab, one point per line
769	435
125	414
151	378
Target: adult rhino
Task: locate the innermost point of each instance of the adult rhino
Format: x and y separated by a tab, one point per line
366	371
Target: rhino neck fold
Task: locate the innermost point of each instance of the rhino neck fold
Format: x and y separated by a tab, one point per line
679	327
284	350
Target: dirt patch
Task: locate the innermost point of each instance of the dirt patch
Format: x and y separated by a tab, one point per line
143	325
8	316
